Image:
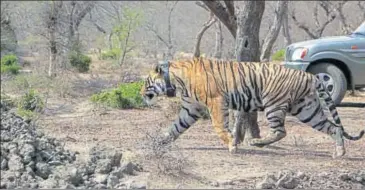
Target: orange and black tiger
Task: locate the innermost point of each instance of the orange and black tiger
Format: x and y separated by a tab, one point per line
244	86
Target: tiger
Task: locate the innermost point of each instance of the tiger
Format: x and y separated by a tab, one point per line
223	85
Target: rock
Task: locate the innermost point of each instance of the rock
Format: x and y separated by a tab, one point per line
100	186
134	185
267	183
33	185
264	185
4	164
13	148
300	175
117	172
75	177
5	136
292	183
15	163
68	186
214	183
112	181
103	166
42	170
128	168
344	177
101	178
226	182
358	179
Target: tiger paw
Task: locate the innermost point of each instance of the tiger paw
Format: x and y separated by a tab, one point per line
257	142
339	152
233	149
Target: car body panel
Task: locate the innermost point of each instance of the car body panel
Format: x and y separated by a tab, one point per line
349	49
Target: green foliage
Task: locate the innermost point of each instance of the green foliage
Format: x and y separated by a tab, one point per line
9	59
279	55
80	61
30	104
123	30
112	54
7	101
9	64
126	96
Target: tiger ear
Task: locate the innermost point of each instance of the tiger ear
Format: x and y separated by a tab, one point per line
158	69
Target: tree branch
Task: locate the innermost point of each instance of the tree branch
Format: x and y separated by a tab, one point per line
303	27
206	25
200	4
273	31
220	12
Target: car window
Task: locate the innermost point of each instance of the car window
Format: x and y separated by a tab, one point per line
360	29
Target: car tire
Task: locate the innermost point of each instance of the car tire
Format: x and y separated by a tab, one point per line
338	77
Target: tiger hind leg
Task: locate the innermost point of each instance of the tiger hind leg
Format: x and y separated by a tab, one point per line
310	112
276	119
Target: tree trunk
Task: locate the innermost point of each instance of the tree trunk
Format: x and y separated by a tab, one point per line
248	49
273	31
110	40
285	29
51	25
218	41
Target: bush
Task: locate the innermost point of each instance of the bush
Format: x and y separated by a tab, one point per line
9	64
80	62
279	55
6	101
126	96
30	103
112	54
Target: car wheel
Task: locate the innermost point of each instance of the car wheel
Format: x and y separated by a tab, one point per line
333	78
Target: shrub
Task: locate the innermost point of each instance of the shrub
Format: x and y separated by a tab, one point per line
80	62
6	101
126	96
279	55
9	64
30	103
112	54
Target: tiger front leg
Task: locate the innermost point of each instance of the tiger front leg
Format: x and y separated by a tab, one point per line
236	126
188	115
220	119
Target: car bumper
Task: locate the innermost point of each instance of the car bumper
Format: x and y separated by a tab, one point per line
296	65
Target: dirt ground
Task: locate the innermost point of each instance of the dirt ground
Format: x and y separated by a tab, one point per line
304	149
82	125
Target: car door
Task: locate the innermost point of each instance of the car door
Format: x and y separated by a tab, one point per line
355	52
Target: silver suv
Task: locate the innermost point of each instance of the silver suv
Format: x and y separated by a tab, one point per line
339	61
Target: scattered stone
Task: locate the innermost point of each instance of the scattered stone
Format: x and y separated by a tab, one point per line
101	178
103	166
42	170
344	177
31	160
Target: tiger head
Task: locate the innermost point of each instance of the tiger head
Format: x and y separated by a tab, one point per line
158	83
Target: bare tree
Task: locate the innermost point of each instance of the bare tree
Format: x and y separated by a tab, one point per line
361	5
76	13
218	47
8	36
274	30
285	29
245	29
225	15
346	27
168	43
316	33
52	23
206	25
